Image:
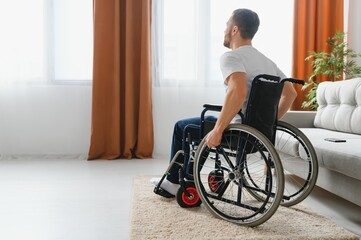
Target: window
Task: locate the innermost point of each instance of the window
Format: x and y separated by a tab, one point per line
46	40
188	38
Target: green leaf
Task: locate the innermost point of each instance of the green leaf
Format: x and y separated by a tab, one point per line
335	63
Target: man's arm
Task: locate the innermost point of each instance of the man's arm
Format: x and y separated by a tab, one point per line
235	96
288	95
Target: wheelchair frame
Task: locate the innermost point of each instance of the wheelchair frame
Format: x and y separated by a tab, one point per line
232	186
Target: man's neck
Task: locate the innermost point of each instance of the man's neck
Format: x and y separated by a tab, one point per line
240	43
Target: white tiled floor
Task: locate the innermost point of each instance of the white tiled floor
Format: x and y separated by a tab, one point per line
55	199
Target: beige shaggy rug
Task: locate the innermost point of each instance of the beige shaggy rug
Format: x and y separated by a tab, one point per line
155	217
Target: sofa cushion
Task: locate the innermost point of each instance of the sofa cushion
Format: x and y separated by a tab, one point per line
339	106
342	157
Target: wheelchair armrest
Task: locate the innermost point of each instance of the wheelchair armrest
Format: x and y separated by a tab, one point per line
211	107
216	108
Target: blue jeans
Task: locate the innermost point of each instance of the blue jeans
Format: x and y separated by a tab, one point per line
177	142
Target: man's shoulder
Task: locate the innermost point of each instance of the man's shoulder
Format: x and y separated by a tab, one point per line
229	56
228	53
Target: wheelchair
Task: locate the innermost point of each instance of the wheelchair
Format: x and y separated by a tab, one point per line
243	179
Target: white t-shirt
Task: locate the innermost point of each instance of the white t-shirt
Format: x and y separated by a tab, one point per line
249	60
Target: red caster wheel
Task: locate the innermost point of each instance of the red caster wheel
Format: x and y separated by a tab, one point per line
216	181
188	201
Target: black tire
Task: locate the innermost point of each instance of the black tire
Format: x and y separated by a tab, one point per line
300	165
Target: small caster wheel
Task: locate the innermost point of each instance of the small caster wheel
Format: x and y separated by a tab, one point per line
188	201
216	181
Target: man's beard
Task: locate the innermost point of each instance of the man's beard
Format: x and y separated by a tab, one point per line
226	44
226	41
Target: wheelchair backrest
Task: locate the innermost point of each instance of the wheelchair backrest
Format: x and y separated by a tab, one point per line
262	106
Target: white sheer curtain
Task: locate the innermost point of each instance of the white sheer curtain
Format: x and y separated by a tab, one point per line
45	56
188	38
353	25
22	55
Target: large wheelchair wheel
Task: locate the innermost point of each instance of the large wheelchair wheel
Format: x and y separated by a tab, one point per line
299	161
230	179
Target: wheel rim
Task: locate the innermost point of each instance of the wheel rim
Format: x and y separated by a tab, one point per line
193	198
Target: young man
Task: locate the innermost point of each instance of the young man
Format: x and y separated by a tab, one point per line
239	67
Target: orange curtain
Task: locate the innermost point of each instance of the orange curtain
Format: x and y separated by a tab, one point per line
122	122
314	22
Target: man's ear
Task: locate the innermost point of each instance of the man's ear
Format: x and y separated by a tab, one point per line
234	30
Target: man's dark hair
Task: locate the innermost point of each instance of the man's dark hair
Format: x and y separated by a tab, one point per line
247	22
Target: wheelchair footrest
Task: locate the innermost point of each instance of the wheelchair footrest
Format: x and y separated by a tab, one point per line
163	193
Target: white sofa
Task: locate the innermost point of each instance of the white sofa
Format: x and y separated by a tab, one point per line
338	116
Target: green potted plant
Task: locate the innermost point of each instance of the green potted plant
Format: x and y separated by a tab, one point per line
334	65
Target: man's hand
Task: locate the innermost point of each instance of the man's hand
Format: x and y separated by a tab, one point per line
214	138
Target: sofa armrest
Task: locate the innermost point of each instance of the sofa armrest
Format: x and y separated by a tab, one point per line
300	119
